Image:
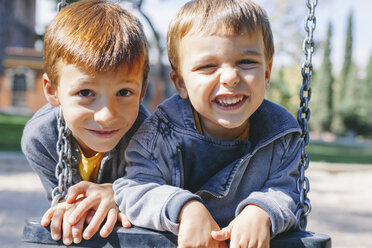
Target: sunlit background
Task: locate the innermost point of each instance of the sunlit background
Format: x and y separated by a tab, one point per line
341	115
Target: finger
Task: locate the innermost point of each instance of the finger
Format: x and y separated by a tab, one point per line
222	235
95	223
75	190
238	240
77	230
109	224
81	209
90	215
66	232
124	220
47	217
55	225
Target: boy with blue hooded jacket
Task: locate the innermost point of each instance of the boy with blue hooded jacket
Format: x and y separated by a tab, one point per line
216	155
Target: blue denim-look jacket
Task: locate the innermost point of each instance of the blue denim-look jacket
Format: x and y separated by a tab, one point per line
170	163
39	145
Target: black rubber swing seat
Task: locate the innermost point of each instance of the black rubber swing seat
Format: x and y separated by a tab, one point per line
135	237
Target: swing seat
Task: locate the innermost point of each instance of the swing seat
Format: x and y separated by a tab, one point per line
34	232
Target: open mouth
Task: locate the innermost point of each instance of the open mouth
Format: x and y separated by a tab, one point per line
229	102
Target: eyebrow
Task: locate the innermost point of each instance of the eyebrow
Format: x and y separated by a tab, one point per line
252	51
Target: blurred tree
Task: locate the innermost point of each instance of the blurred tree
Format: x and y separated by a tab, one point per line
6	8
279	91
349	105
322	88
345	85
364	97
347	60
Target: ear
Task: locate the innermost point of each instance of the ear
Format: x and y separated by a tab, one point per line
180	84
143	91
268	74
50	92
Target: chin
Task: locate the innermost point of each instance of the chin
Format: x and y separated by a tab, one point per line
230	124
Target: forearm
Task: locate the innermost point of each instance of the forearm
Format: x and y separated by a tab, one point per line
151	205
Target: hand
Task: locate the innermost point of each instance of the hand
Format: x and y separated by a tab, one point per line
99	199
251	228
196	224
56	217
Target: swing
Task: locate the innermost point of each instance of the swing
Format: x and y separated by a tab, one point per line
33	232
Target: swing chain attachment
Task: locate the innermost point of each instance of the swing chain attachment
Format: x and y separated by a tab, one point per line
303	115
63	168
61	5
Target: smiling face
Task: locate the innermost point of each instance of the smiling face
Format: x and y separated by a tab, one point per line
225	78
100	107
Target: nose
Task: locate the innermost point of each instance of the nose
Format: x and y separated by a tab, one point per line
105	112
229	76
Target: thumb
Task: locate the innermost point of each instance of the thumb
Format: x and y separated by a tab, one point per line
76	190
222	235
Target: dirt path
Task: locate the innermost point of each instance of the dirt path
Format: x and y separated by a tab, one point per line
341	201
340	196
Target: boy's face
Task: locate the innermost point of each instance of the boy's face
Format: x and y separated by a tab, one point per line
99	108
225	78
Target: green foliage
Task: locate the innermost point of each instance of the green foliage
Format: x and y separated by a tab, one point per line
363	109
278	91
346	89
11	128
334	153
322	100
347	58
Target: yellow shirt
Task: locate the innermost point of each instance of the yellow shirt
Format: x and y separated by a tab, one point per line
88	167
243	136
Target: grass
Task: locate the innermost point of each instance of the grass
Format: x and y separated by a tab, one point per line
11	128
336	153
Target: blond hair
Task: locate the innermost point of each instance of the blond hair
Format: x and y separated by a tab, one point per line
98	36
218	17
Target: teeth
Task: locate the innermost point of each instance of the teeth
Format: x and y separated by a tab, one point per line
229	100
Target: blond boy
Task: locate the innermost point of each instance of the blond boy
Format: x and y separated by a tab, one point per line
216	162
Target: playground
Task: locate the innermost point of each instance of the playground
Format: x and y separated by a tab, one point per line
339	195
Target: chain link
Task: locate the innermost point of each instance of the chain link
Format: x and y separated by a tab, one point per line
61	5
303	115
63	168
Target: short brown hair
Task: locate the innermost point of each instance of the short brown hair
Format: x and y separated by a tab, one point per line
97	35
226	17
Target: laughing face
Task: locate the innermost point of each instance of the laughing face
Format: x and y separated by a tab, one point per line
225	78
100	107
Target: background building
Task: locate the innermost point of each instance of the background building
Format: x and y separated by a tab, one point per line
20	80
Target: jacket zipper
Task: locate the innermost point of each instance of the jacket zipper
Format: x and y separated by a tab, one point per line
182	169
206	191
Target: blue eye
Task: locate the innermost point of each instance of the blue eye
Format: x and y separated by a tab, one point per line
124	92
85	93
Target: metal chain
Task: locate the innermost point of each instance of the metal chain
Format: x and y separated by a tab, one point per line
303	115
63	167
61	5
